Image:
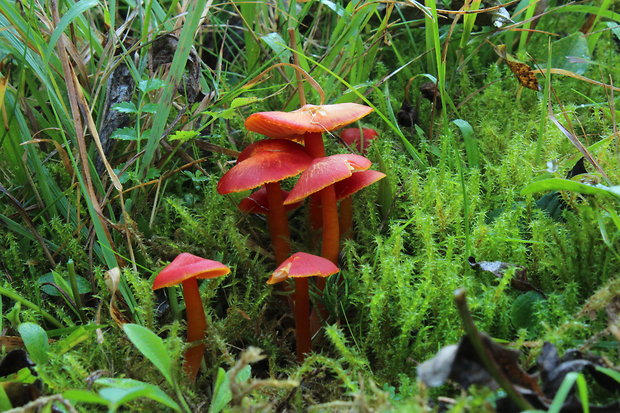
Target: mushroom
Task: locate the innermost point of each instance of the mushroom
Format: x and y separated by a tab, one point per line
186	269
268	162
359	137
307	124
300	266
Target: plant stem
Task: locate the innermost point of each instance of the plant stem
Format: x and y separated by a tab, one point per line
196	327
74	289
487	359
15	297
173	301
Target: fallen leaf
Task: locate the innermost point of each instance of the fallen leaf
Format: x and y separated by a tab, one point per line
519	280
522	71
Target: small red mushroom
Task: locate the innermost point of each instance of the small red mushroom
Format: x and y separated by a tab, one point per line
352	136
300	266
186	269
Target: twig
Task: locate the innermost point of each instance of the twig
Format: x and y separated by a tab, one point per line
484	355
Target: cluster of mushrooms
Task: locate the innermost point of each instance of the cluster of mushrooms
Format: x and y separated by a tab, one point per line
294	147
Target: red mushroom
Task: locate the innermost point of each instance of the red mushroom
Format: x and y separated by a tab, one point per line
186	269
352	136
268	162
300	266
307	125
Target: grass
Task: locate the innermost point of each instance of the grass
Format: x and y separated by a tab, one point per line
455	189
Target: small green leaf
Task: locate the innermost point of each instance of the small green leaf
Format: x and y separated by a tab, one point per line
150	108
125	134
278	45
522	312
152	347
148	85
183	135
125	107
78	335
471	145
239	102
244	374
221	392
35	340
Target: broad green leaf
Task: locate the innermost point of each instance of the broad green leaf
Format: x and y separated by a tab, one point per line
35	340
83	284
221	392
244	374
83	396
125	107
151	391
5	402
571	53
558	184
152	347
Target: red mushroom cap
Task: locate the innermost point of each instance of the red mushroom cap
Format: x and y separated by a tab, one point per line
257	202
308	118
356	182
186	266
323	172
302	265
362	140
263	167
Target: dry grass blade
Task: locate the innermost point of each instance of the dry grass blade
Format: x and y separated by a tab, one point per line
584	151
568	73
64	157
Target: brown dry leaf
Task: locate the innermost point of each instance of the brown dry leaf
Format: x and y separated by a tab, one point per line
522	71
112	280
